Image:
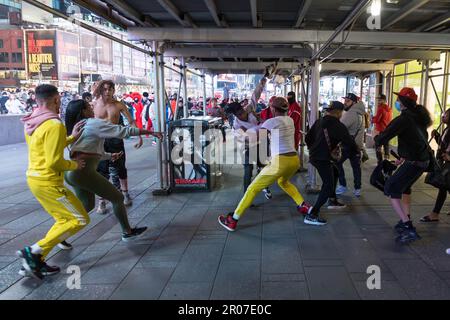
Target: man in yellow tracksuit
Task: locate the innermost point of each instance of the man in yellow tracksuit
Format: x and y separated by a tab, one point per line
46	139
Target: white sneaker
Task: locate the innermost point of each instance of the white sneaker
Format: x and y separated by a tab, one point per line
101	207
357	193
127	199
341	189
267	193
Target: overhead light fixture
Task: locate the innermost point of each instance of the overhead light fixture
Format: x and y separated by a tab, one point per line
393	1
375	8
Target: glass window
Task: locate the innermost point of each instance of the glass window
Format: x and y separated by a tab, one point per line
4	57
19	43
16	57
1	43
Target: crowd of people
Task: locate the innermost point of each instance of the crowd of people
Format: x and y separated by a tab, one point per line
92	126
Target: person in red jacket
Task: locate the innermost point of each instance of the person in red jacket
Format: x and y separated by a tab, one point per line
266	114
381	121
138	107
295	112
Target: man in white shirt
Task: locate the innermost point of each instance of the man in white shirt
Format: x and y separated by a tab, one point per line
282	167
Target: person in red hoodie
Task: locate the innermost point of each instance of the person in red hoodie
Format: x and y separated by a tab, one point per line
138	107
295	112
381	121
266	114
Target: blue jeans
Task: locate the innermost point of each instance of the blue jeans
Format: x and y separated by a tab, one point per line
355	161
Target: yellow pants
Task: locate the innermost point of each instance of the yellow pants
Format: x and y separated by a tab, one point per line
67	210
281	169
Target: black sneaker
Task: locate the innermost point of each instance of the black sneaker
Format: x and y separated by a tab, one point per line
400	226
65	245
314	220
46	270
135	234
31	262
267	193
408	235
335	205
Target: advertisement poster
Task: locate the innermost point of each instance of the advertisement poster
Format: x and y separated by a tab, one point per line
41	52
68	56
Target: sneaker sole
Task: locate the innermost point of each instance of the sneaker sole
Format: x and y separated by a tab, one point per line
268	197
336	208
225	226
132	239
312	223
27	267
64	247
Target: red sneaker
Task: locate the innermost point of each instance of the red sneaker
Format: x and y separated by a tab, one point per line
228	222
304	208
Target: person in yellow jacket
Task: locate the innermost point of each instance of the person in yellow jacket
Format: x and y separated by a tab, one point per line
46	139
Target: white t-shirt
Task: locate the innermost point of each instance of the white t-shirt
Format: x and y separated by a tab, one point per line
282	132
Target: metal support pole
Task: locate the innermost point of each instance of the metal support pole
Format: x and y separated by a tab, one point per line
156	75
424	82
161	93
315	83
185	94
204	93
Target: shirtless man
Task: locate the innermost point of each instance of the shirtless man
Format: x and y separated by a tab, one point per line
107	108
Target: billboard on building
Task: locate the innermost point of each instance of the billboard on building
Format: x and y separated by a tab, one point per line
68	56
41	54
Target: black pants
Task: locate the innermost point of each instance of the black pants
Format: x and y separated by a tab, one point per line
402	180
386	152
440	200
117	168
248	168
329	173
355	161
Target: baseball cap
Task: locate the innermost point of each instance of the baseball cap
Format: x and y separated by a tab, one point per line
407	93
334	105
351	96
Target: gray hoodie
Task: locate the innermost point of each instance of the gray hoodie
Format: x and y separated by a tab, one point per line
353	119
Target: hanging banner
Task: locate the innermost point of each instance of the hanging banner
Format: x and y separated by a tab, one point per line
68	56
41	54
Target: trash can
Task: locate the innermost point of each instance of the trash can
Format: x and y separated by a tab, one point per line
194	151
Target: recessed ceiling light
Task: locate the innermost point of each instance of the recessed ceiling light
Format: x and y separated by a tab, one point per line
393	1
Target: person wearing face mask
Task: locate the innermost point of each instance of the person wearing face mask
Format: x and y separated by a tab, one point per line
443	156
411	129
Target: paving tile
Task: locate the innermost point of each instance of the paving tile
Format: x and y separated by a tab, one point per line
237	280
418	280
316	243
330	283
284	291
143	284
119	262
187	291
281	255
390	290
198	264
89	292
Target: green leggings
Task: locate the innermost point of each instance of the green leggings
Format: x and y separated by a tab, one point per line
87	183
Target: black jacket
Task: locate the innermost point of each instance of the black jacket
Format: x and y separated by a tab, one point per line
337	132
407	127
